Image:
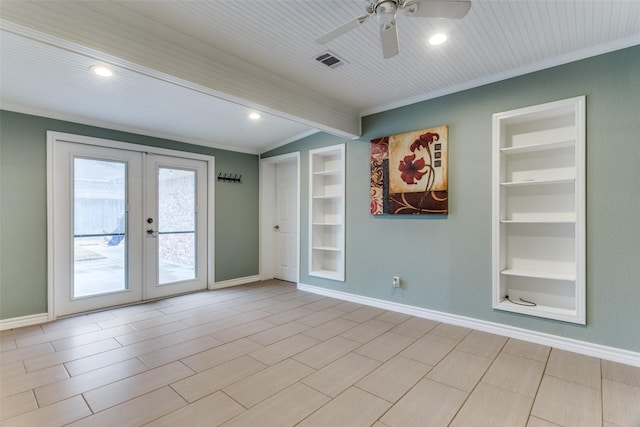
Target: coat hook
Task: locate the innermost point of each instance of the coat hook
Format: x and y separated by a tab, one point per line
230	177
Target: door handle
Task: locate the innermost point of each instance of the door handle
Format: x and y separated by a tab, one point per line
276	227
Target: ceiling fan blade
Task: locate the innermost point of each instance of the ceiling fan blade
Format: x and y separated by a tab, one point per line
453	9
389	38
354	23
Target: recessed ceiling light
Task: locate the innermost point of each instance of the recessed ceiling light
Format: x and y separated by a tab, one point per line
437	39
101	70
254	116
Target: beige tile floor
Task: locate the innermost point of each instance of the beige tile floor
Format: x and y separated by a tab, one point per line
268	354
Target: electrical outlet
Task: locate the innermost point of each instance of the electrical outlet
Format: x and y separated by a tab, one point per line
396	281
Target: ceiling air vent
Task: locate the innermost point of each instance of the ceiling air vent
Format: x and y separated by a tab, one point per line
330	59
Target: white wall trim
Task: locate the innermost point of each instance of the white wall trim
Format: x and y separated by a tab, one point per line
112	143
582	347
235	282
56	115
211	221
19	322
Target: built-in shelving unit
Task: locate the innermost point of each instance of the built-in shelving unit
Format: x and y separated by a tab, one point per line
326	212
539	210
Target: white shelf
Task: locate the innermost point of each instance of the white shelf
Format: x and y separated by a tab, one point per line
539	275
538	221
528	182
326	274
538	215
330	196
547	311
538	147
328	172
327	248
326	212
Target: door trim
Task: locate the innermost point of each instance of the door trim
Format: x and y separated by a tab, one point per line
53	137
267	214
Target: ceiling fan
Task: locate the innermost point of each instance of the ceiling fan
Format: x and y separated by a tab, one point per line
385	13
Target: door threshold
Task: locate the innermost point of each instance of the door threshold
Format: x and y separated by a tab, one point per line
130	304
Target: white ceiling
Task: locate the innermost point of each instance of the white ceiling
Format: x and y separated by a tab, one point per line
192	70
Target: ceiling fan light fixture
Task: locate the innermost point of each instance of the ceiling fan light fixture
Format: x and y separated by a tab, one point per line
101	70
438	39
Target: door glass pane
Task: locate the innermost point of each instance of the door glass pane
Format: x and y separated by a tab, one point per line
176	225
99	227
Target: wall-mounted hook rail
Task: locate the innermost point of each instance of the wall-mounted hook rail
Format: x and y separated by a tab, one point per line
230	178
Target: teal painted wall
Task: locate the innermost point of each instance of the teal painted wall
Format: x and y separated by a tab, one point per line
23	215
445	261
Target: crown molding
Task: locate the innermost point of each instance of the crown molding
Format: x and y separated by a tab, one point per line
128	129
514	72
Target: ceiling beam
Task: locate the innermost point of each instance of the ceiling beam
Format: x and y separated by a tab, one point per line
113	34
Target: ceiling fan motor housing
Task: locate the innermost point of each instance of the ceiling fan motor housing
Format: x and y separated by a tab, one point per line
385	11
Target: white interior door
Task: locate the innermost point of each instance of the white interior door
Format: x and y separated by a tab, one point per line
126	226
286	220
175	225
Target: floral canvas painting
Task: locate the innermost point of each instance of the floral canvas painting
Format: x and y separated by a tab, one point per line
409	173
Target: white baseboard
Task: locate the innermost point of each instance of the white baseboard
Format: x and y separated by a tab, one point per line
35	319
18	322
582	347
235	282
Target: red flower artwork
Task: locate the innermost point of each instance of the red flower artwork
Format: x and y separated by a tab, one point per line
380	148
409	172
424	141
412	172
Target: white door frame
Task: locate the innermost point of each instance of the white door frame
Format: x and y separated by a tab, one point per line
53	137
267	212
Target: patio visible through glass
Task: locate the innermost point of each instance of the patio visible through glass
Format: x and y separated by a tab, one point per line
101	231
100	226
176	225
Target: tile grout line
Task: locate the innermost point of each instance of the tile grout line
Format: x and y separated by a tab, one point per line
493	360
546	363
427	373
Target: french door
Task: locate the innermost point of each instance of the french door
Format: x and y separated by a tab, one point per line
127	226
175	223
